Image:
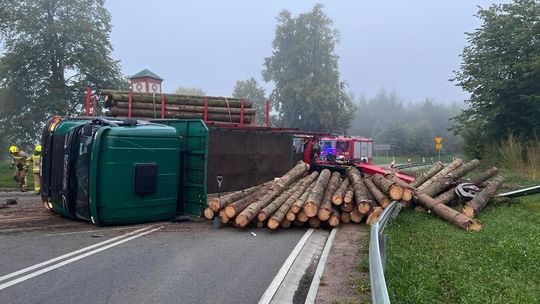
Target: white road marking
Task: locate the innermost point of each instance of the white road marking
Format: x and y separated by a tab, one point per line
273	287
16	273
312	293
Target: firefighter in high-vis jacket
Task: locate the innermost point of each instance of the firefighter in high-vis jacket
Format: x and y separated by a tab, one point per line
36	168
20	164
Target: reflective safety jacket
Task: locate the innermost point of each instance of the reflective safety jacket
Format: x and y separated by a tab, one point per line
36	160
20	161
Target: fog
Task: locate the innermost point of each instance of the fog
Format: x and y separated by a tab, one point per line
410	47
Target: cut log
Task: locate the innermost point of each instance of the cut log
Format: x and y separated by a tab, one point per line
334	219
482	198
374	215
299	203
348	198
302	217
345	217
361	197
484	176
379	196
233	209
285	224
422	178
271	208
407	190
142	113
337	198
291	216
356	216
347	207
283	211
394	191
113	96
208	213
184	108
259	224
444	181
217	204
326	204
247	215
451	167
447	213
314	222
223	217
313	202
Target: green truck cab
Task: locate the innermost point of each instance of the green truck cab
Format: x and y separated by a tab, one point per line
114	171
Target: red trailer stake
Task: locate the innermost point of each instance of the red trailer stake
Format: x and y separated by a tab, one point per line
241	113
267	114
129	104
205	114
88	101
162	106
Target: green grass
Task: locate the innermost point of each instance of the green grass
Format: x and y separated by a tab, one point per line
6	177
432	261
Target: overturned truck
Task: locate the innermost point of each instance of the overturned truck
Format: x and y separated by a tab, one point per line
119	170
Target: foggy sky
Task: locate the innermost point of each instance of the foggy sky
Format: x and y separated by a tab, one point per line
410	47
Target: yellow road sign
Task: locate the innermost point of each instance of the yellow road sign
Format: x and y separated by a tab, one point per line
438	140
438	146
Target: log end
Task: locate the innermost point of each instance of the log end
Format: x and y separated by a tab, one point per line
337	200
469	212
214	205
208	213
324	214
291	216
396	192
285	224
310	209
261	216
272	224
230	212
333	221
364	207
241	220
475	226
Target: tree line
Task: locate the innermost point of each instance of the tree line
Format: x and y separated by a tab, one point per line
409	127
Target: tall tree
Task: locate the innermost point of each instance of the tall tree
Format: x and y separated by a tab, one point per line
249	89
52	50
501	70
308	91
195	91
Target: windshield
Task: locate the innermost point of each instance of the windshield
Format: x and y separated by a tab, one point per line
84	146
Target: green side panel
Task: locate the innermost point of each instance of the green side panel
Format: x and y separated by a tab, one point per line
193	167
120	150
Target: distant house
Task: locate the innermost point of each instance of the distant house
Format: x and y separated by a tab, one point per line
146	82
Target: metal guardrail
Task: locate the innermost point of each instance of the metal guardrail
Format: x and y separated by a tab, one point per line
377	254
521	192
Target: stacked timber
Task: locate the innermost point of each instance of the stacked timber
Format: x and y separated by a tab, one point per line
326	199
319	199
149	106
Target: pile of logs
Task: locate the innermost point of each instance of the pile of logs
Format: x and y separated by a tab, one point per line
434	190
322	198
144	105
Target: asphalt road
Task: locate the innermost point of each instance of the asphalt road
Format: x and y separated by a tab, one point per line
195	265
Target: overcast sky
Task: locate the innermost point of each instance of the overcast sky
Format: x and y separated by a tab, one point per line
410	47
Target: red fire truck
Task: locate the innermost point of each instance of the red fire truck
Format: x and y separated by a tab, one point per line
340	152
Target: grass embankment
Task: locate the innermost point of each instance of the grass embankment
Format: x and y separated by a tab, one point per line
432	261
6	177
